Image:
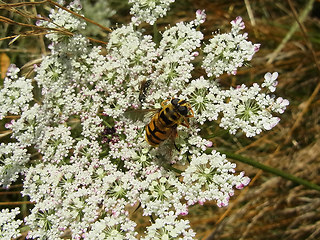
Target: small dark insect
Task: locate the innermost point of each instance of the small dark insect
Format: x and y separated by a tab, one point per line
144	86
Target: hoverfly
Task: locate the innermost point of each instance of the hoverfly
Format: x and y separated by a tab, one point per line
164	123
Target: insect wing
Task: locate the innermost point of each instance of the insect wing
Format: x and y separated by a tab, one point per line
143	115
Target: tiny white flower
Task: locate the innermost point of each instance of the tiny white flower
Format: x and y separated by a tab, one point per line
270	81
200	17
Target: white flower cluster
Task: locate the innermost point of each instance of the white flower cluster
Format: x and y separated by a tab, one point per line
9	227
13	159
63	20
229	51
170	228
85	132
148	10
173	69
130	61
251	110
206	98
213	174
15	94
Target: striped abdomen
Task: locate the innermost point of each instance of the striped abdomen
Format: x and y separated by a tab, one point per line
162	126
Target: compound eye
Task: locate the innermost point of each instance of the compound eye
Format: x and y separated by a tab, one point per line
183	110
175	101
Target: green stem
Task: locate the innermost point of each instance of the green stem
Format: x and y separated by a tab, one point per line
107	124
292	30
271	170
156	34
24	207
174	169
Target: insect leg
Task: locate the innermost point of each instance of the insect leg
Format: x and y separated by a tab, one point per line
185	119
192	113
174	143
185	123
173	135
163	102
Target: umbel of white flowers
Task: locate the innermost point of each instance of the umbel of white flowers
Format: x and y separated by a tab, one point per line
83	161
